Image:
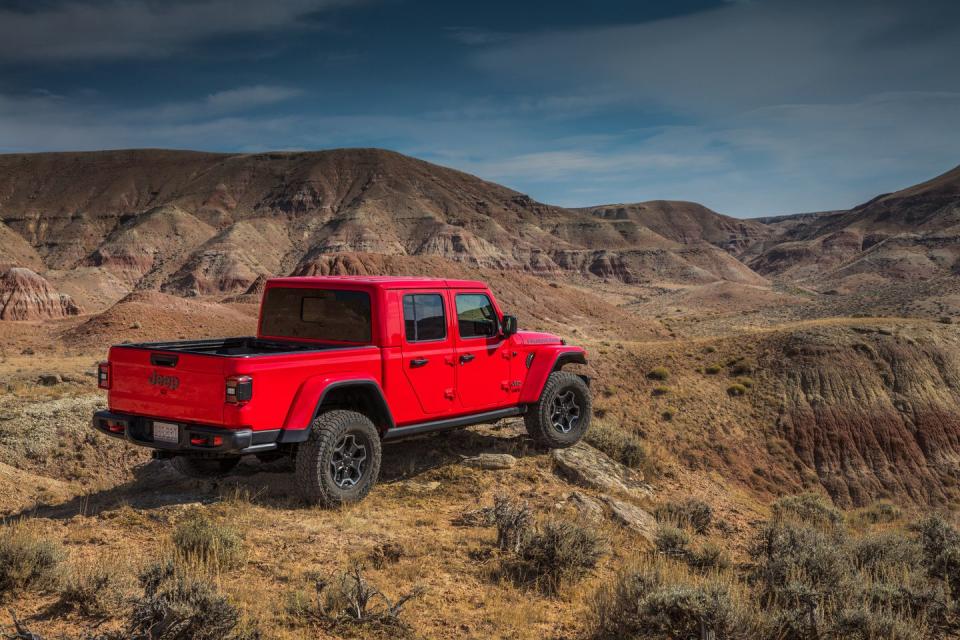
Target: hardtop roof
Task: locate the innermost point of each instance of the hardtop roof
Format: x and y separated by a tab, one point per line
381	282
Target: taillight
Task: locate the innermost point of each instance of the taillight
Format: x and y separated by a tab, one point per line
239	389
103	375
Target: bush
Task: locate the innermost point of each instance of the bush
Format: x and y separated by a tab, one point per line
672	541
808	508
621	445
199	538
692	513
797	563
177	605
741	369
95	590
712	369
642	604
745	381
660	391
512	520
736	390
348	599
658	373
880	553
668	414
553	554
879	512
27	559
709	557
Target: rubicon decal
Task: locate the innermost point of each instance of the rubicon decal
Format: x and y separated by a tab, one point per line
170	382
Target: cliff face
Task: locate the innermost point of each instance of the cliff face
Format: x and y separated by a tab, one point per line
24	295
870	412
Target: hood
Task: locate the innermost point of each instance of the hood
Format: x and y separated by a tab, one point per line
536	338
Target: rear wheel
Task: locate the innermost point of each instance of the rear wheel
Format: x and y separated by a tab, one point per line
204	467
561	416
340	461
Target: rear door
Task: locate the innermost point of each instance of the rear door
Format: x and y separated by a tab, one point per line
427	348
181	387
482	356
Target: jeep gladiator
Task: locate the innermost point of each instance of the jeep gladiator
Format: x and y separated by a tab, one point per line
340	365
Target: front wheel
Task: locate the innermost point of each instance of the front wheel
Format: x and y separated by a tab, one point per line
340	461
561	416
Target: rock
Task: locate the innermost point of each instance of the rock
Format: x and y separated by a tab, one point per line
24	295
491	461
584	465
632	517
422	487
585	505
50	379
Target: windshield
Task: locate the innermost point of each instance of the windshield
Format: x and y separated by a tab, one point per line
316	314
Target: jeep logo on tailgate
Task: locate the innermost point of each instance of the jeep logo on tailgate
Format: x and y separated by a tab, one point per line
170	382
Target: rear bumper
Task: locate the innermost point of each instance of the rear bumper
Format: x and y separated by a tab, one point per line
192	439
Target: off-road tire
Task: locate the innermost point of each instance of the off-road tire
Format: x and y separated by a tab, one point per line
539	418
315	479
204	467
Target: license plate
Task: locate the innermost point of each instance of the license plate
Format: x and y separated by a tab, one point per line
166	432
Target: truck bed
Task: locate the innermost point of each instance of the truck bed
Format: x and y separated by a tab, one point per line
242	347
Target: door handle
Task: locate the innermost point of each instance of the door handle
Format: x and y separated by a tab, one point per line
467	357
419	362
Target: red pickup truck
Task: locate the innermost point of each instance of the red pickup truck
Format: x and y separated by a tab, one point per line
339	365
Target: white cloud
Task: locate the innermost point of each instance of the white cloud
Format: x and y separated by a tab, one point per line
83	29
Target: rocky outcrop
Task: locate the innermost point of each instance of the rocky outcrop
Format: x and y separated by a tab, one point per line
24	295
588	467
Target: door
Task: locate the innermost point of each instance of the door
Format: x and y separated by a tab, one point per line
482	355
428	351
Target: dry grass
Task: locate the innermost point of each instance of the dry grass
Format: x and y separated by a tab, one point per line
28	559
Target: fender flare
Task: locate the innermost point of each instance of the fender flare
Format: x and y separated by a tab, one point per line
545	362
297	427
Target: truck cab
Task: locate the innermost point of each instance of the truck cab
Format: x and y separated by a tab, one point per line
406	356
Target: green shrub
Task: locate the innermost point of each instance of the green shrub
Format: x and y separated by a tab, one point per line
879	512
736	390
668	414
660	391
672	541
692	513
198	537
741	369
659	373
643	604
709	349
745	381
712	369
177	604
620	444
708	557
809	508
27	559
792	561
554	553
882	552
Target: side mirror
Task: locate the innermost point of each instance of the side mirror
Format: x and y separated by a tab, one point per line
509	325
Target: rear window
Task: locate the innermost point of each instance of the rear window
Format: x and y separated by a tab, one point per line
317	314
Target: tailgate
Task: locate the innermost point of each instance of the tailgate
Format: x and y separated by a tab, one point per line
162	384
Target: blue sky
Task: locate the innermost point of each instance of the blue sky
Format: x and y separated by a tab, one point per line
750	107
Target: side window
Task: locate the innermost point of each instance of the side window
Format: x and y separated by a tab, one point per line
423	317
475	316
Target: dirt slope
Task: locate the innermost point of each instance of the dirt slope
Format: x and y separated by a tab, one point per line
910	234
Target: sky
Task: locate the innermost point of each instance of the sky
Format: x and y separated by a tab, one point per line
751	107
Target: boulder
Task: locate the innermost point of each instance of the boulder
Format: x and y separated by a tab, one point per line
632	517
588	467
491	461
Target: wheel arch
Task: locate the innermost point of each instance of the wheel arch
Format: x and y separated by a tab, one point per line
546	361
360	394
